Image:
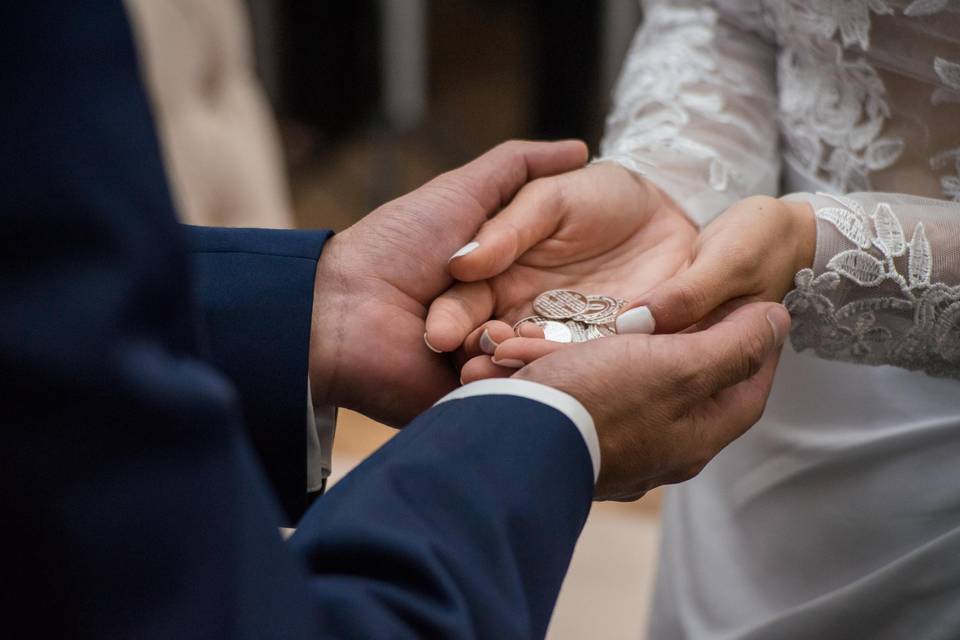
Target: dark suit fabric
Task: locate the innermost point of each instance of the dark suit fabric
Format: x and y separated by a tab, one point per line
132	353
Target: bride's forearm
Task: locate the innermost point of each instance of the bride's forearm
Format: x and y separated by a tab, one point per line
884	287
695	109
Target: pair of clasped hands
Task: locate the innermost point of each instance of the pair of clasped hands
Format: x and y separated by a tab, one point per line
691	367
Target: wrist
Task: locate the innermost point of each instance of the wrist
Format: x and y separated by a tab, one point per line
330	301
804	227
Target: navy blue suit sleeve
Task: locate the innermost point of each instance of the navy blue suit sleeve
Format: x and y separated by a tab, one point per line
461	526
254	289
135	505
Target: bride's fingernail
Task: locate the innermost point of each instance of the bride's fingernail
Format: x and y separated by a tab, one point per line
638	320
430	346
487	345
508	362
464	250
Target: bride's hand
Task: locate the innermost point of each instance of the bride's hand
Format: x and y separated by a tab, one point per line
751	252
598	230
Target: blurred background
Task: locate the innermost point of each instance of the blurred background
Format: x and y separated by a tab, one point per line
311	114
374	98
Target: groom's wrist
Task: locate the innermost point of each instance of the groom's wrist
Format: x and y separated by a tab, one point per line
327	329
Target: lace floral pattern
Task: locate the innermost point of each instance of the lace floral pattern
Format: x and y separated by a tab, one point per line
677	79
903	318
697	110
833	104
833	109
949	93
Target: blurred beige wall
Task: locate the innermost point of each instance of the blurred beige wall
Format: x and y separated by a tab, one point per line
218	136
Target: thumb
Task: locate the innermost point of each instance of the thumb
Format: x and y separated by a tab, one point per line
739	407
534	215
683	300
736	348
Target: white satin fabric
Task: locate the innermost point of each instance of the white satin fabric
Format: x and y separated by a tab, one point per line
838	515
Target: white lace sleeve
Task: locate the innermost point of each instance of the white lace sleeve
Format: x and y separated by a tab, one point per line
885	284
695	108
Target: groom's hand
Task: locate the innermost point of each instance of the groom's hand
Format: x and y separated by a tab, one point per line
376	279
665	405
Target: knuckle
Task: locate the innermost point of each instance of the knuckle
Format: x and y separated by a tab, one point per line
753	417
742	364
546	191
687	472
686	373
460	303
695	468
516	144
757	408
759	203
754	352
682	379
741	259
689	299
456	185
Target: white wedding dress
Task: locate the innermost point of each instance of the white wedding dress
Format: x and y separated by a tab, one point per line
838	514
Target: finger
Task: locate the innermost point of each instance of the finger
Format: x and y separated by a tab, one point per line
518	352
532	216
484	339
530	330
495	177
455	313
721	312
481	368
735	348
684	299
735	409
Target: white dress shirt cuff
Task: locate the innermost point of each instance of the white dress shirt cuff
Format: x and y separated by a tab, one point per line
562	402
321	428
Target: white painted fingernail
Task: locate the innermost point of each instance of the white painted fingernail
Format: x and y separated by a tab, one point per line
430	346
464	250
509	362
638	320
487	345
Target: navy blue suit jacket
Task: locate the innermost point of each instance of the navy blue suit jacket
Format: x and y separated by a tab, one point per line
153	385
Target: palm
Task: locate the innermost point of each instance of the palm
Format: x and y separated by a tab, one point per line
598	230
621	260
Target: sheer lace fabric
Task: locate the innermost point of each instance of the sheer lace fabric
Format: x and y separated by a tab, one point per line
885	287
696	109
854	97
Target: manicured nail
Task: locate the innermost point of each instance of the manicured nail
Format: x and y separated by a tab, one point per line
509	363
779	320
464	250
487	345
638	320
430	346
